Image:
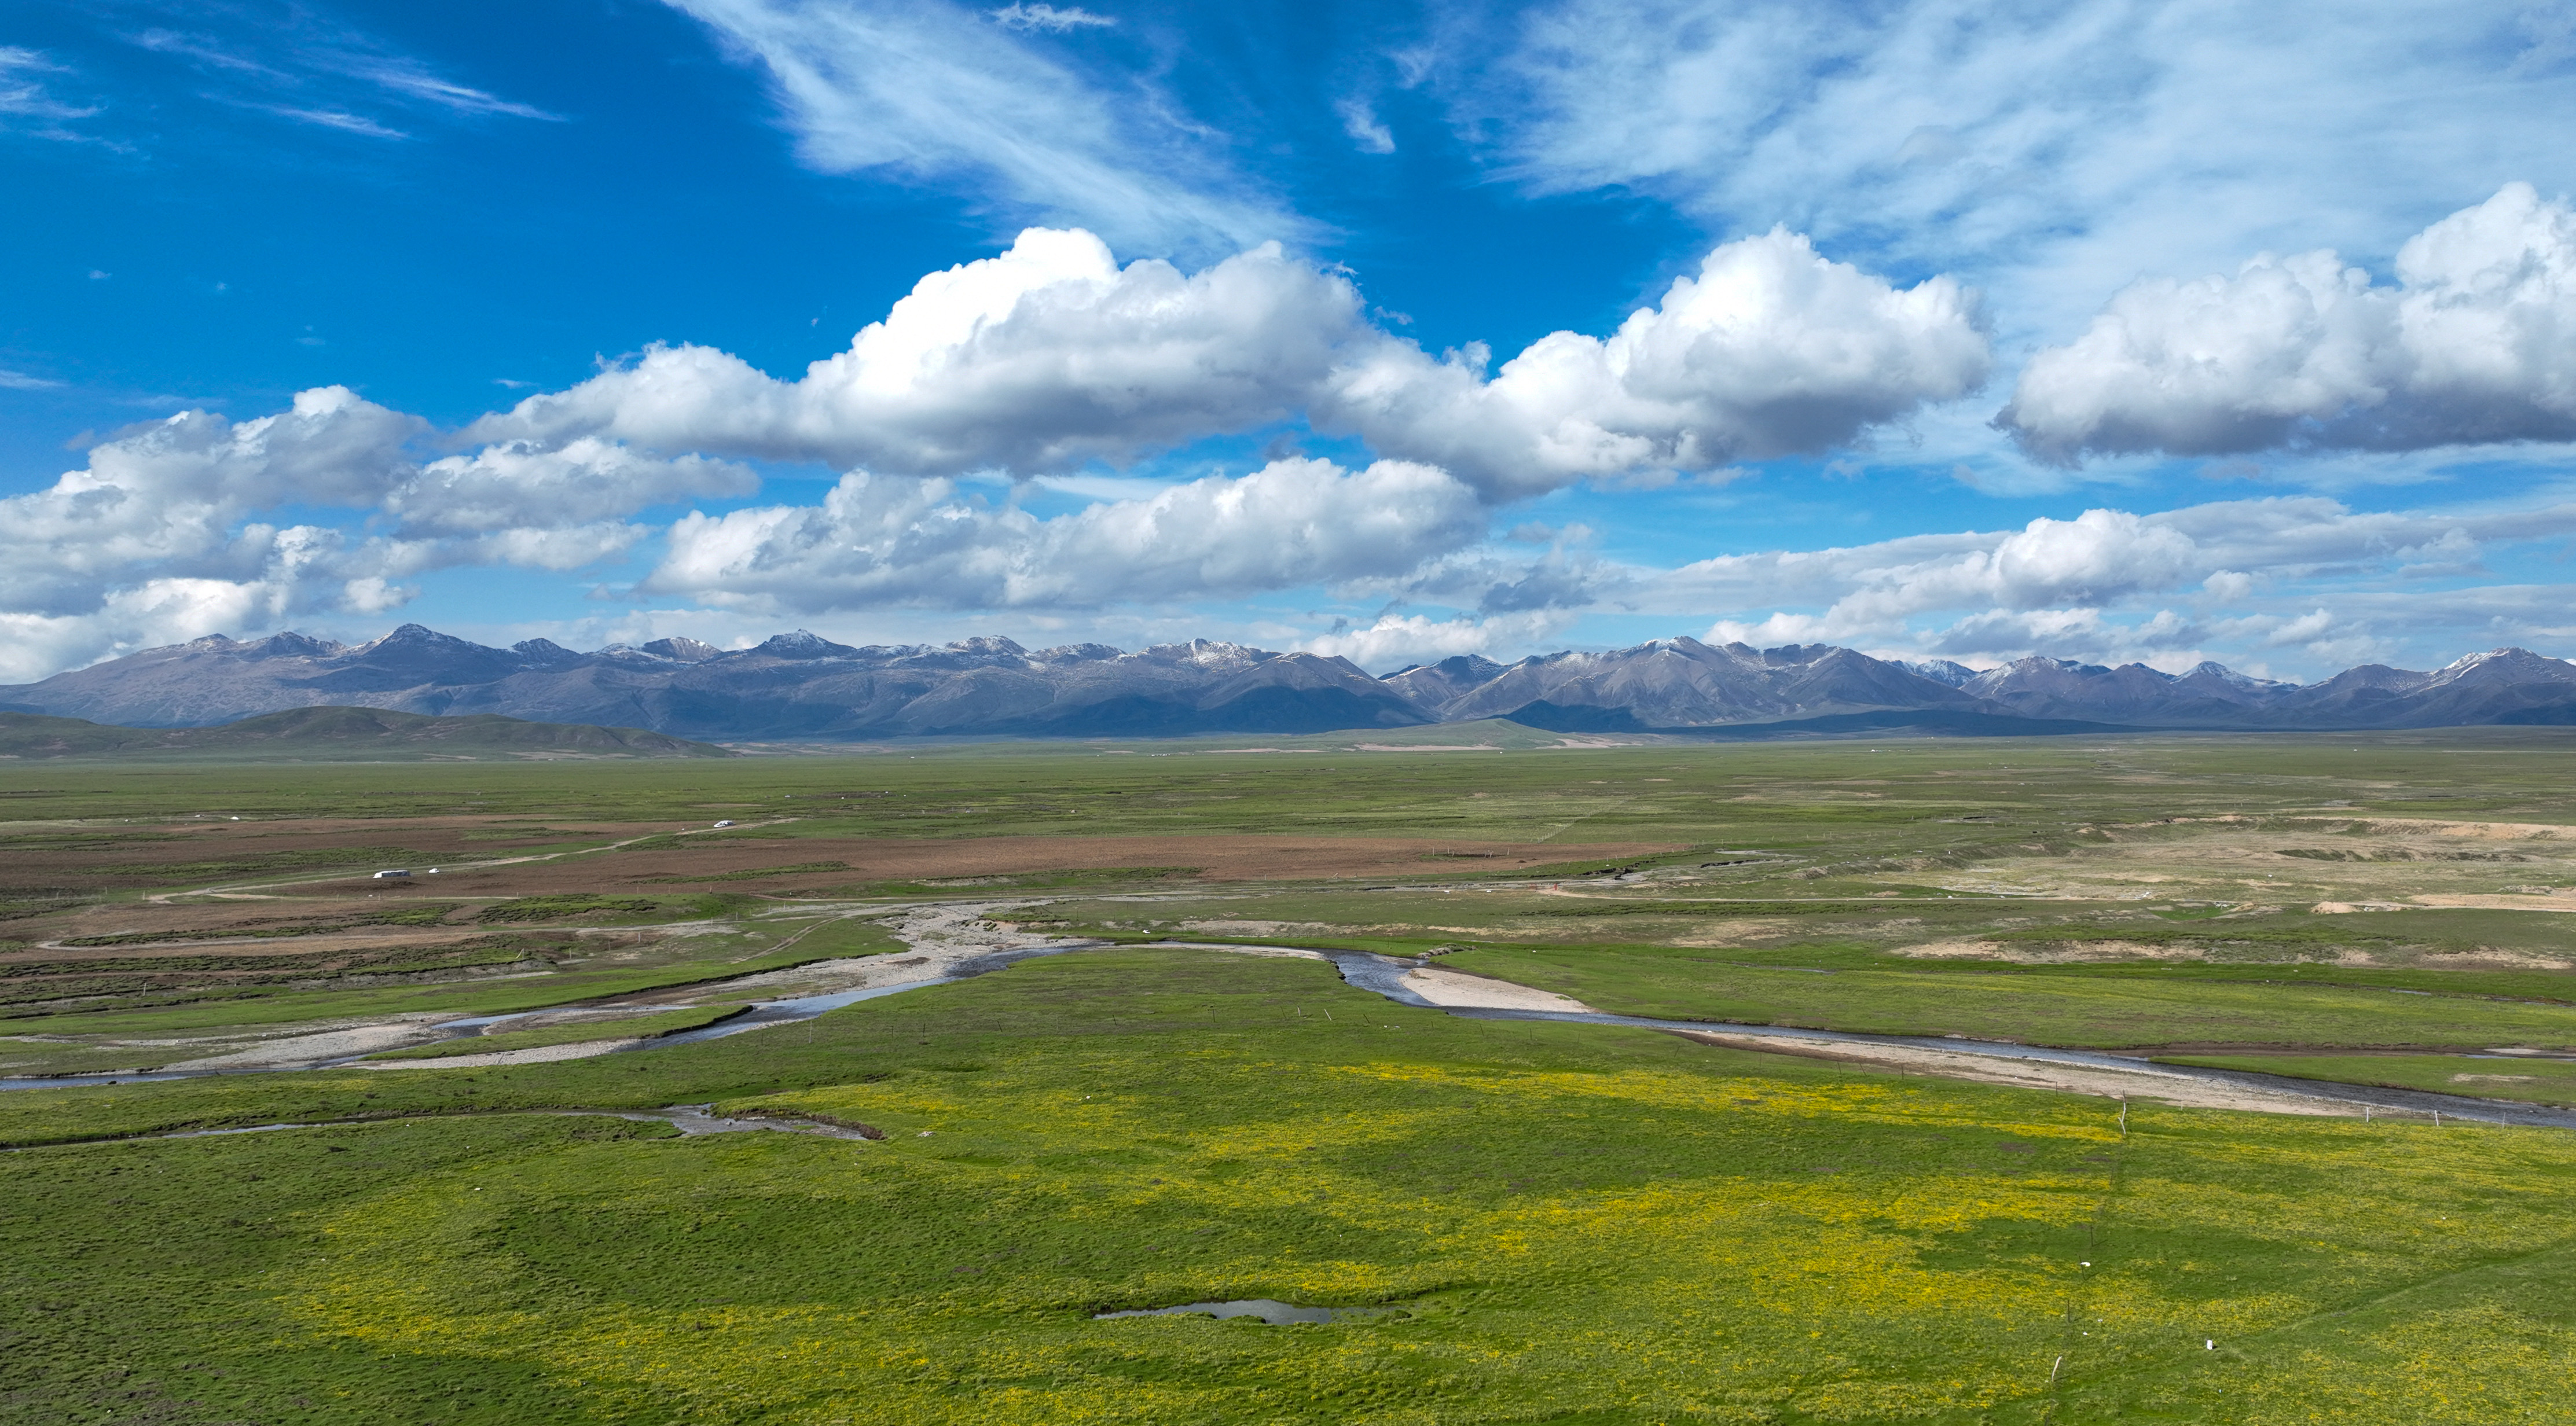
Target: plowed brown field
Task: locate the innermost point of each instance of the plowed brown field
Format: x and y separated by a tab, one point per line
880	859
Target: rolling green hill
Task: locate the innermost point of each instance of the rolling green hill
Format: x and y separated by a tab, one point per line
340	735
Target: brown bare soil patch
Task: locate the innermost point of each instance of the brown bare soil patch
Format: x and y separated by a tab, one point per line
876	859
245	916
361	938
163	852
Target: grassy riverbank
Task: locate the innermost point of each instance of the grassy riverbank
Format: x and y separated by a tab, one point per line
1584	1225
2530	1081
2082	1007
624	1027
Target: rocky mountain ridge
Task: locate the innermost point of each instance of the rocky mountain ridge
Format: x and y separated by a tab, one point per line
799	686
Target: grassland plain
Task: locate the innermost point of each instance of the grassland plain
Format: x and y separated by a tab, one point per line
1579	1225
624	1027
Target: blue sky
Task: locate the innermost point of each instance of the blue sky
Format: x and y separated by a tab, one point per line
2102	330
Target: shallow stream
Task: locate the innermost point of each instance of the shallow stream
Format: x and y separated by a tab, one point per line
1384	976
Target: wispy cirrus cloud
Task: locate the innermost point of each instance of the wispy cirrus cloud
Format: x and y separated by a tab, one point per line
339	119
935	93
408	77
26	100
302	66
2049	152
1050	18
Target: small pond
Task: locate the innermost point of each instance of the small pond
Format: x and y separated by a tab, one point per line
1277	1314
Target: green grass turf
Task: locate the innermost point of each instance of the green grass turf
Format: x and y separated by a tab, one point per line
1581	1225
669	1022
2278	947
2055	1009
2533	1081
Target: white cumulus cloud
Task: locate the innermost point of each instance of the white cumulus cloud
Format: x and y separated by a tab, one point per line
881	541
168	499
513	486
1050	354
1043	356
2475	343
169	532
2082	585
1395	639
1771	349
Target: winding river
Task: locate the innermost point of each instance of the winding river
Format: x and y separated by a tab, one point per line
1385	976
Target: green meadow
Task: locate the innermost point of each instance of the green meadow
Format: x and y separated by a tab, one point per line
2086	1008
1548	1223
1571	1225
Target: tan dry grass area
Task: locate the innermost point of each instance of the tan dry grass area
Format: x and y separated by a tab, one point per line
2492	958
2378	826
1256	928
2470	901
1976	950
2432	862
2484	831
1726	935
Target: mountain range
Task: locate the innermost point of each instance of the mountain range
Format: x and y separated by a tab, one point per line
799	687
339	734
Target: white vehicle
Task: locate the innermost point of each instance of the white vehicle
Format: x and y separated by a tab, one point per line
720	826
392	876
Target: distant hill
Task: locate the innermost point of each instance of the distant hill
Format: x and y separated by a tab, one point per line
798	688
342	735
